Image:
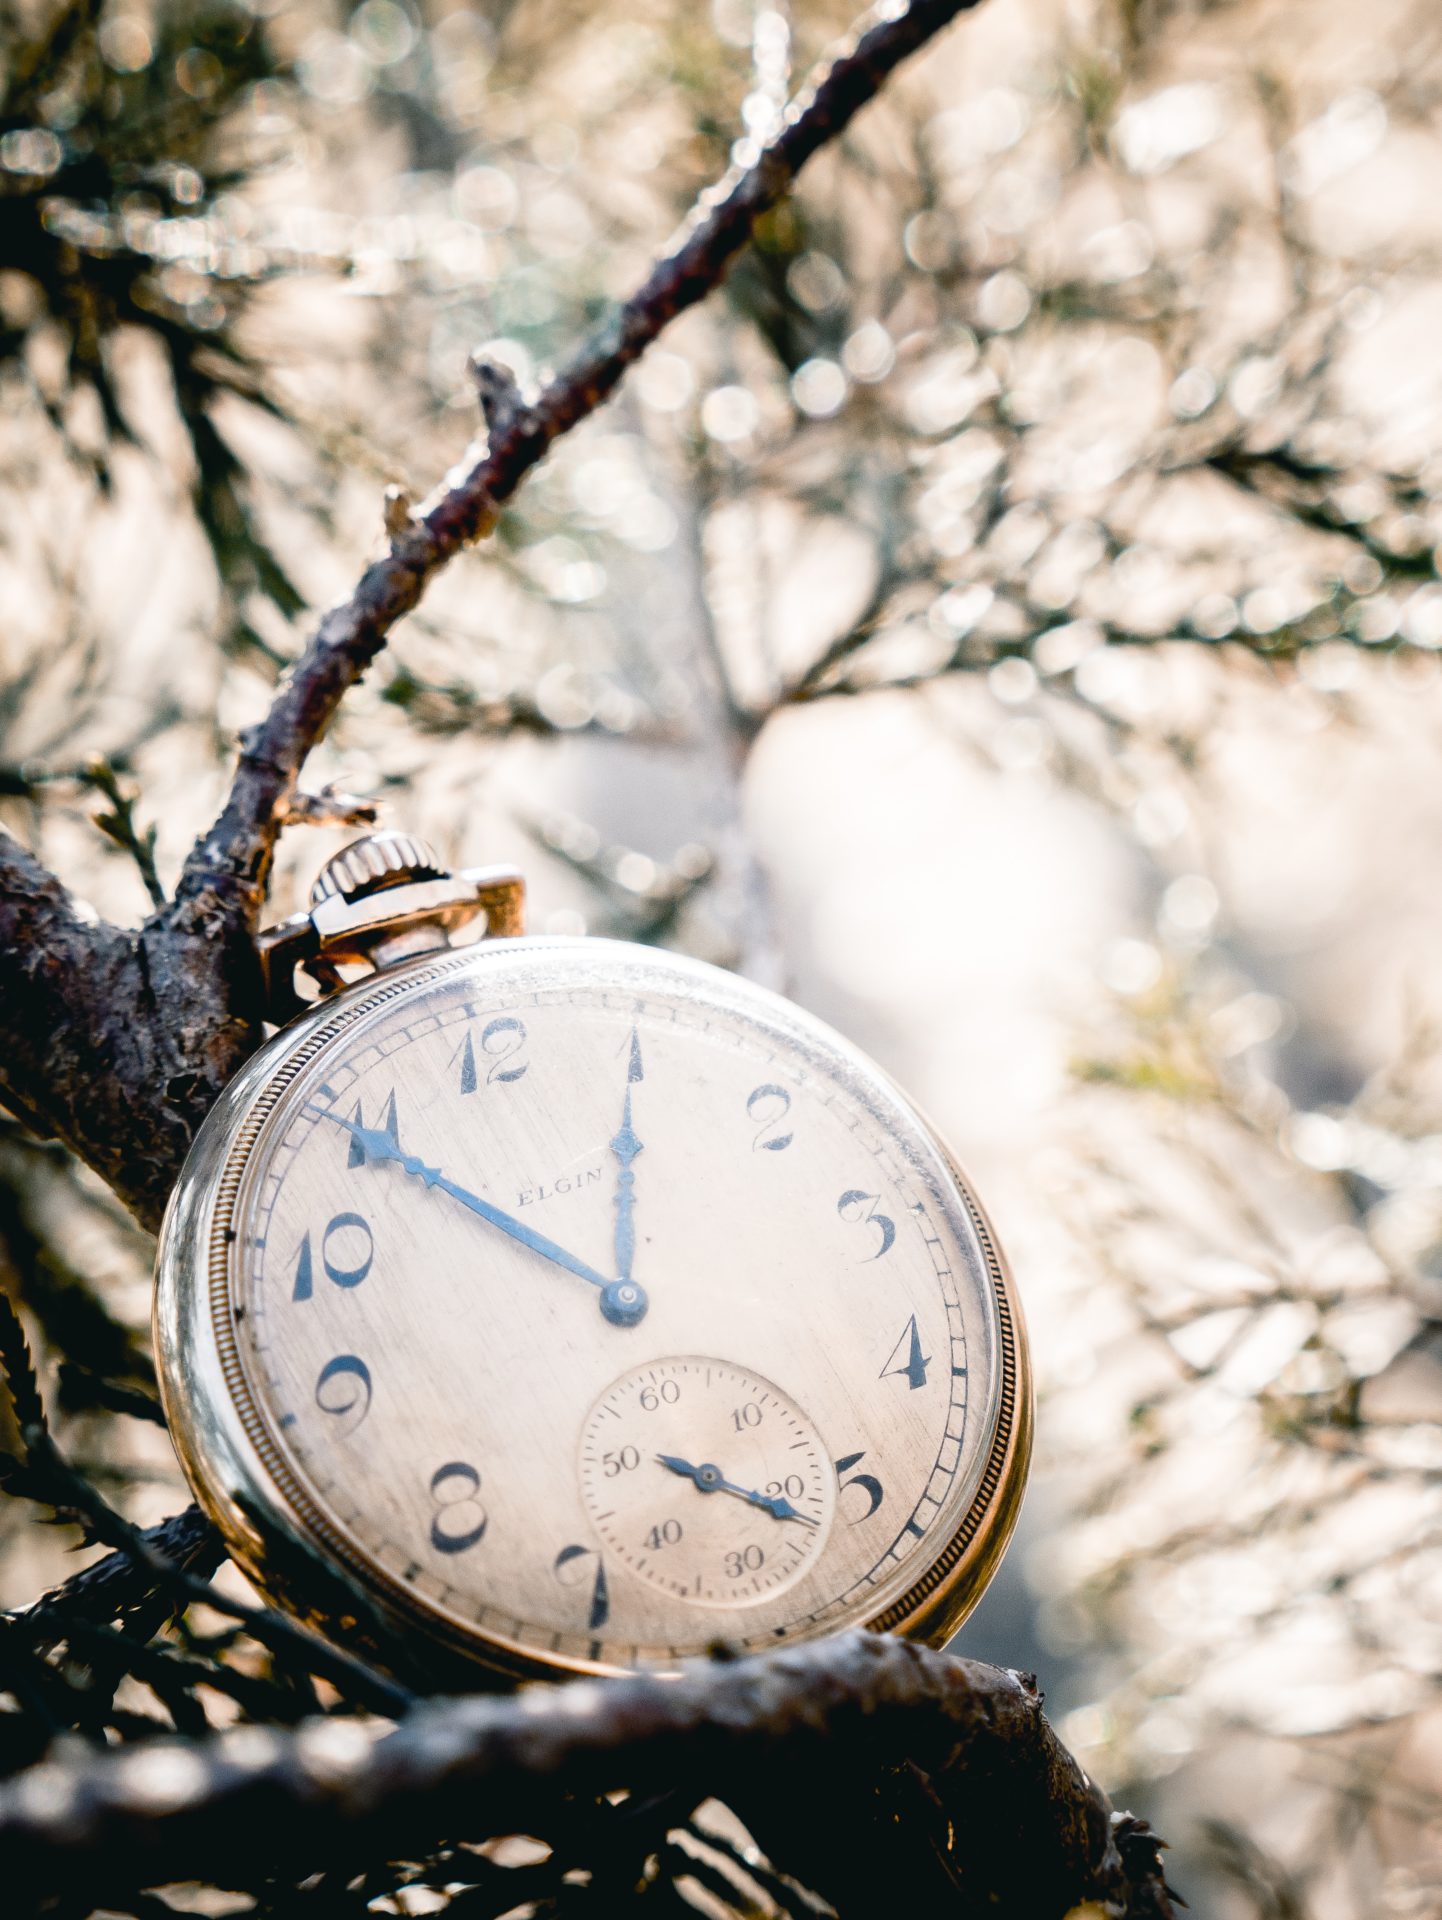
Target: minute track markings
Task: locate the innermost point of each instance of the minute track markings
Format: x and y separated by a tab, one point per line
741	1045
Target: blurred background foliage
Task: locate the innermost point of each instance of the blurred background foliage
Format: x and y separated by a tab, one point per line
1008	617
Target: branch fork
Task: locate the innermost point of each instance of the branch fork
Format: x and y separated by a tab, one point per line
163	1016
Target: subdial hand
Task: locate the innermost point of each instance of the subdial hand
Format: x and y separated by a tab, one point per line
623	1303
709	1479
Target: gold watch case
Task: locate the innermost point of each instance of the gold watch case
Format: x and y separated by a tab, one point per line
239	1473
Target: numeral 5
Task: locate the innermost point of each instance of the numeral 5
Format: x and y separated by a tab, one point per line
868	1483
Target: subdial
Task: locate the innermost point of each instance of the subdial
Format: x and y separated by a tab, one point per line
707	1481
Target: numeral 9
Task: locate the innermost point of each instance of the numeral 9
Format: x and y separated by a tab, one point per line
346	1367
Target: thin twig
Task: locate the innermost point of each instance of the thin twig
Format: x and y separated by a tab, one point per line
115	1586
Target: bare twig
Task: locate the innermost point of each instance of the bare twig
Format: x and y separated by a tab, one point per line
230	862
114	1587
118	824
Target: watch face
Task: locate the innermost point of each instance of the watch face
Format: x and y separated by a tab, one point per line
595	1307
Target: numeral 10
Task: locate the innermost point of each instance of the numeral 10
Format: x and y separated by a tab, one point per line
340	1255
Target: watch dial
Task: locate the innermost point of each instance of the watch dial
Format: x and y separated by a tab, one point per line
607	1307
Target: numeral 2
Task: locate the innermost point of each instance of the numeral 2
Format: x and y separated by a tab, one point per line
766	1108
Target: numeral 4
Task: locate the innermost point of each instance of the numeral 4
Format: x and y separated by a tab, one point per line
915	1362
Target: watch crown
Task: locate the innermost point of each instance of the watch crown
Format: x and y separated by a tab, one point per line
384	898
373	863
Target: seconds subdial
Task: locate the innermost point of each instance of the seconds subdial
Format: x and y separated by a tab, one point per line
707	1481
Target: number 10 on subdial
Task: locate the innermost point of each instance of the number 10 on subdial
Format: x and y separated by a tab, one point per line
707	1481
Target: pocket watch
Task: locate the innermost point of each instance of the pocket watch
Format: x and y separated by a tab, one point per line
584	1304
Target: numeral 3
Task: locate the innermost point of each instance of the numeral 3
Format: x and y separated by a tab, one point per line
859	1209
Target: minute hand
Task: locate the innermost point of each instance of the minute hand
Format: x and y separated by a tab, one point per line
379	1146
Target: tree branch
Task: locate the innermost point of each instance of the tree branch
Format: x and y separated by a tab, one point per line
116	1040
119	1042
231	861
818	1749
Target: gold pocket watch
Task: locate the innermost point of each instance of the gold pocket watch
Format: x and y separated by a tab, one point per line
586	1304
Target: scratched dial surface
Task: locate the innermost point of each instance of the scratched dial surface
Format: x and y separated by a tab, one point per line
605	1308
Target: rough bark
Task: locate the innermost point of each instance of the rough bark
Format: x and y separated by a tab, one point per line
116	1040
886	1777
